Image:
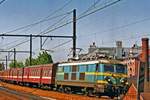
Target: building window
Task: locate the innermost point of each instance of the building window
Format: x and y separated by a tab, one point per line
130	69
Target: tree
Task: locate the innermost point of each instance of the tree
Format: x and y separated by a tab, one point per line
43	58
2	66
18	64
27	62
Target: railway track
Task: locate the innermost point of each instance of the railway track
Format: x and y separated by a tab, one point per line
22	95
39	94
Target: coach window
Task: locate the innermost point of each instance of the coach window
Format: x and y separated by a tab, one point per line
45	72
34	72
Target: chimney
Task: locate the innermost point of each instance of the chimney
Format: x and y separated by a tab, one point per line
145	56
119	44
119	49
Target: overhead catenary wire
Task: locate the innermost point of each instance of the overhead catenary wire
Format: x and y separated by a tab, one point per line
98	9
125	39
62	44
101	8
82	15
90	8
118	27
52	26
24	41
46	19
17	44
40	21
2	1
36	23
38	33
61	8
78	18
59	45
43	20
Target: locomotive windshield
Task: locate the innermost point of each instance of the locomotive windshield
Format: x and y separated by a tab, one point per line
108	68
120	68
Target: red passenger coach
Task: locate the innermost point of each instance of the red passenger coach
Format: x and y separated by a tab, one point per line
1	74
13	76
26	74
6	76
34	74
40	74
20	75
48	74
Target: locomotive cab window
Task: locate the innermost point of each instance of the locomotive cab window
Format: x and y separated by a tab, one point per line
108	68
121	68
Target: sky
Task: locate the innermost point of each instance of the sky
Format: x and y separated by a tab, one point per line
127	21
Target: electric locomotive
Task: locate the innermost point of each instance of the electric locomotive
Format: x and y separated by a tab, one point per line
100	77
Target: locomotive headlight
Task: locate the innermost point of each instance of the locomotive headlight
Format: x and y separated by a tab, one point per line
109	80
122	81
126	83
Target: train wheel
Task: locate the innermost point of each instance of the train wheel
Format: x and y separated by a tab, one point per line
67	90
61	89
90	93
112	96
99	95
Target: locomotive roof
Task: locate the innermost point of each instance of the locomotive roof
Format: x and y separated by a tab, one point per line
91	62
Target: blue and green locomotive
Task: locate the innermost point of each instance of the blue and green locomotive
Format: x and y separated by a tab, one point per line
101	77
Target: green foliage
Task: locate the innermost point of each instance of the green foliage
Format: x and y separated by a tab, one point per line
1	66
27	62
43	58
18	64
